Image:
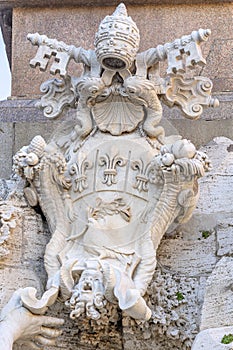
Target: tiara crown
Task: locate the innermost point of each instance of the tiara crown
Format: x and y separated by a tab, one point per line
117	40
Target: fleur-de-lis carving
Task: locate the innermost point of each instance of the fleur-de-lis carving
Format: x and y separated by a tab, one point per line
142	178
79	170
111	163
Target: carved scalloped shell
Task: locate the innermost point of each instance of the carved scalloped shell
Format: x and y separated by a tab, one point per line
117	114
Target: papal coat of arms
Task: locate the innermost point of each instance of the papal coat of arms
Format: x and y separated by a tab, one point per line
111	183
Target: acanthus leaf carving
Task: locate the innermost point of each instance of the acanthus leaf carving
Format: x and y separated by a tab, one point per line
191	95
58	94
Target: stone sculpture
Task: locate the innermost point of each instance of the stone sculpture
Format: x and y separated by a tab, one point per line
111	183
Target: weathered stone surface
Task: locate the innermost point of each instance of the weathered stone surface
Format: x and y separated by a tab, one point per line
22	266
218	303
220	53
225	238
7	141
35	238
201	131
14	245
20	111
14	278
190	258
24	132
212	339
213	214
215	186
199	227
57	3
176	308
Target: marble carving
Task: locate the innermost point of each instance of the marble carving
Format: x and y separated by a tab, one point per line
111	183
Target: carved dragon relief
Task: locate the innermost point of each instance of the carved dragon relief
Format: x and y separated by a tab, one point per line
111	187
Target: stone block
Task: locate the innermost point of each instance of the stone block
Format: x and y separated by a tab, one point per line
220	53
217	183
211	339
225	238
201	132
214	208
35	238
6	145
12	278
198	225
218	303
20	111
27	241
190	258
60	3
24	132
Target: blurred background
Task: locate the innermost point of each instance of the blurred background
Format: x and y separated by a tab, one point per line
5	74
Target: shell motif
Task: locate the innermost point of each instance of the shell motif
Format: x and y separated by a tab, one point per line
117	114
37	145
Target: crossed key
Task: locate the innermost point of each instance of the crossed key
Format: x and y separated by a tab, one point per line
186	52
47	48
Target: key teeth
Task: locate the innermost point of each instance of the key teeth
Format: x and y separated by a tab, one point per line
33	63
214	102
35	38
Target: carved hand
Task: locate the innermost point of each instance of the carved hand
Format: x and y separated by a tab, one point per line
19	324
